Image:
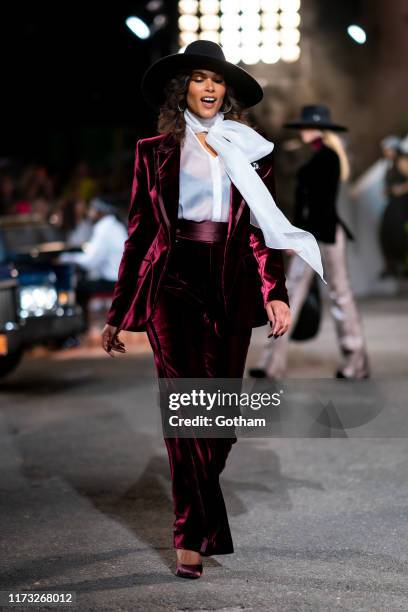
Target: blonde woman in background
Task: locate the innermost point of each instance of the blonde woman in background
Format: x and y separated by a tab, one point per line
318	183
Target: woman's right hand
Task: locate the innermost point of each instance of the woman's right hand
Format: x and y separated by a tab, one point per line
110	340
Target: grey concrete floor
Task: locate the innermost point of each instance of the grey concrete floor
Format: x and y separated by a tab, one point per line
318	524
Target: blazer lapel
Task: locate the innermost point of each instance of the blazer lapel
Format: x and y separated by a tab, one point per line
237	204
167	170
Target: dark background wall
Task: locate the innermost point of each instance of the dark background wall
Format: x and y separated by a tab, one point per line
71	75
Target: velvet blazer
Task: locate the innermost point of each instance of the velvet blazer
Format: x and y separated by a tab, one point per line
252	274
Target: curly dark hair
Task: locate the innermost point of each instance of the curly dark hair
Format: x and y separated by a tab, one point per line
171	119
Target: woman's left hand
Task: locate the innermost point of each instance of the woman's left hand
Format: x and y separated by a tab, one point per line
279	317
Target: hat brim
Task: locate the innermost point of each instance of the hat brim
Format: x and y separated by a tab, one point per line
299	125
246	89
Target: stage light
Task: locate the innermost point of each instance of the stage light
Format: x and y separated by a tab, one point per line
289	5
270	6
154	5
229	38
248	30
357	34
138	27
270	37
233	54
159	22
270	20
186	37
209	22
230	22
289	20
210	35
189	22
229	6
250	21
252	7
270	54
250	54
209	7
251	38
289	37
290	53
188	7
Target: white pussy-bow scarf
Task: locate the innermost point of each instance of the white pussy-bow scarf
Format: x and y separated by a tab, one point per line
238	145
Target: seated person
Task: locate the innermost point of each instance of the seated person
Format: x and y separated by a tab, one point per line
102	253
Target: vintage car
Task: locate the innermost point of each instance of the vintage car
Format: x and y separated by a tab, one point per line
37	294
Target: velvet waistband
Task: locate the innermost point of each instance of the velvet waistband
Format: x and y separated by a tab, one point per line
202	231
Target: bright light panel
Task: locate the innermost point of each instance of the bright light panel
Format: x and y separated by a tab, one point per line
250	31
270	6
290	53
289	37
188	7
209	22
270	20
270	54
231	22
210	35
233	54
270	37
250	21
185	38
209	7
289	5
229	6
190	23
250	54
289	20
250	7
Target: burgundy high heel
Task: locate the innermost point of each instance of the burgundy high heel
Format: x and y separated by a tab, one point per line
184	570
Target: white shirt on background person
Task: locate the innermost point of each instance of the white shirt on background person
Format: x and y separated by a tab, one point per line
102	254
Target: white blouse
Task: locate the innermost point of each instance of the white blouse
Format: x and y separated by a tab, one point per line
204	183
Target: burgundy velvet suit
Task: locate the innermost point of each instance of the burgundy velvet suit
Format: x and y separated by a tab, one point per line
252	273
198	303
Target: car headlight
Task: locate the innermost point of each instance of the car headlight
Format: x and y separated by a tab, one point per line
35	301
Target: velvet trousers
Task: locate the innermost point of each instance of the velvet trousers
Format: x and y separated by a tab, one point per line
189	336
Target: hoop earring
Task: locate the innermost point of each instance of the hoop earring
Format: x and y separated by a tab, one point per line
180	109
226	111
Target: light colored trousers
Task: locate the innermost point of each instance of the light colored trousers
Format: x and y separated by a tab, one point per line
343	309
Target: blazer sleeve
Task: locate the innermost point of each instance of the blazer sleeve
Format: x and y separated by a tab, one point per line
270	261
135	245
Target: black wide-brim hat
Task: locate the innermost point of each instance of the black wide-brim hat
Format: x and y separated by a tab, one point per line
315	116
199	54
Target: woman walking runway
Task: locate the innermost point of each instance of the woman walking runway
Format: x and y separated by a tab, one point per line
203	262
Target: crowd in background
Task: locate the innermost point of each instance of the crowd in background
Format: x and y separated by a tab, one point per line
394	223
62	200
